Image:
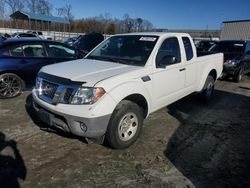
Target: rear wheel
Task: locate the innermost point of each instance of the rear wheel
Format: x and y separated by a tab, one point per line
208	89
125	125
11	85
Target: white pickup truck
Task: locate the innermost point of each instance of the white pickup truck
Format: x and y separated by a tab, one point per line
109	93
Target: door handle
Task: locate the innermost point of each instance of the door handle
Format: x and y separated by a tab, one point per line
182	69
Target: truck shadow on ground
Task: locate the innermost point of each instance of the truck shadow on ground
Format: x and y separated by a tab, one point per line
12	165
211	147
36	120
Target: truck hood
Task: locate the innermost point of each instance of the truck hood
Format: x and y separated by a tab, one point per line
87	70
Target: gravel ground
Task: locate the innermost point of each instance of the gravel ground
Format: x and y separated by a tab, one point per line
187	144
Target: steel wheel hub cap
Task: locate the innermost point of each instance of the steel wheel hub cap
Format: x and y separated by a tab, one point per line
128	126
209	89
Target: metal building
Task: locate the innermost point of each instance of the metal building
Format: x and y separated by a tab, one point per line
235	30
38	21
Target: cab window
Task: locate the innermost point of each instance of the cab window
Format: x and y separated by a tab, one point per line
12	51
15	51
60	51
169	48
24	50
33	50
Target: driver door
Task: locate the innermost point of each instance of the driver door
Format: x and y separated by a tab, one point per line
168	80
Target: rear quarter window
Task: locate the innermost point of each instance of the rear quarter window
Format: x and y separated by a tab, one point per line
11	51
188	48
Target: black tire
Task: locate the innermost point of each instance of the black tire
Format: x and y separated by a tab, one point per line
238	77
208	89
11	85
114	135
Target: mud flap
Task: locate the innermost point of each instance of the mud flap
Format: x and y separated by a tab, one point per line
96	140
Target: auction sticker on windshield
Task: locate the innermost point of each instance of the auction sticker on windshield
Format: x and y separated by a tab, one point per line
152	39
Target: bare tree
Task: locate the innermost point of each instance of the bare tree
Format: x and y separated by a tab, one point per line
128	23
45	7
15	5
40	7
32	4
2	9
139	23
147	25
65	12
111	29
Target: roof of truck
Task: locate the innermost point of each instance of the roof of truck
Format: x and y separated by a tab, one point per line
155	33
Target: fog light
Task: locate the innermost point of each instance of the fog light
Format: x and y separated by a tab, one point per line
83	126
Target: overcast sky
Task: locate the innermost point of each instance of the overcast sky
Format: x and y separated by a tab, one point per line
171	14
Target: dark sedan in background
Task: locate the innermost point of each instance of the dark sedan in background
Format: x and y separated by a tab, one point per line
21	59
236	57
85	43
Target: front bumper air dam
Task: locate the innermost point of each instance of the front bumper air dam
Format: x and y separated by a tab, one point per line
80	126
230	70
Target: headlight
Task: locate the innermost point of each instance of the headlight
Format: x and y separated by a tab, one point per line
87	95
39	85
231	62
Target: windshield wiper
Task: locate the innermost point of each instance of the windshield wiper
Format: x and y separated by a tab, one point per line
92	57
112	59
103	58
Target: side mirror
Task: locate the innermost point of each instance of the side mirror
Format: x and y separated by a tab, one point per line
166	60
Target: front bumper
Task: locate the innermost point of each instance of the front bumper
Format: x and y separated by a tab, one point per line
80	126
230	70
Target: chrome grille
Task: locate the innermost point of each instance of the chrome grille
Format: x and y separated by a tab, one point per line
48	89
67	95
54	93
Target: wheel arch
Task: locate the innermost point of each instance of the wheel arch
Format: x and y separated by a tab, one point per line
140	101
135	92
12	72
210	72
213	73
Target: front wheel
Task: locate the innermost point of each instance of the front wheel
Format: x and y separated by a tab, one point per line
125	125
208	89
238	77
11	85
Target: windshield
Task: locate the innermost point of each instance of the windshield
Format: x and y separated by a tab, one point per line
127	49
228	46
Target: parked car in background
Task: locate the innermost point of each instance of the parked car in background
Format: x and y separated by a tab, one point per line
24	35
70	40
40	35
6	35
236	57
205	45
2	38
86	43
21	59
